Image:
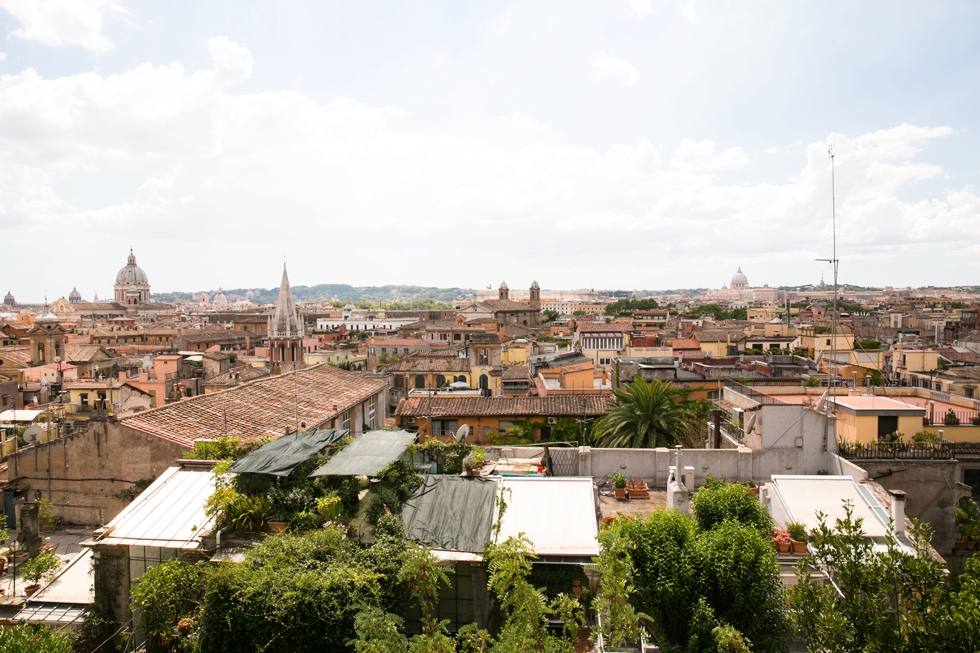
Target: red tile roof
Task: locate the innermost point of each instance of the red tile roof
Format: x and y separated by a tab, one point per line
605	328
428	364
516	372
553	406
265	407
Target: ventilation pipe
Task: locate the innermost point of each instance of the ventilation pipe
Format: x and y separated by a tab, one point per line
898	511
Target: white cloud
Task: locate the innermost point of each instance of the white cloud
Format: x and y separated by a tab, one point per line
688	11
275	172
692	156
62	22
3	55
772	150
641	8
606	65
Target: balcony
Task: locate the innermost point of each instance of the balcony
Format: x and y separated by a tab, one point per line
897	450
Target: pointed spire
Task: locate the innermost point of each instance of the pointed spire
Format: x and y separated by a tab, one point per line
285	321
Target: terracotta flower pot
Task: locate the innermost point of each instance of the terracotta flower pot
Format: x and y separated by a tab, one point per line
755	490
31	589
619	492
783	546
638	490
799	548
276	526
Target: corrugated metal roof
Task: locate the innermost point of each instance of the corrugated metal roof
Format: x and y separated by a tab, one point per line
557	514
169	514
368	454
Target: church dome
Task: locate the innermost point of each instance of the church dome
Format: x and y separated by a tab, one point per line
131	274
503	285
9	299
739	280
74	297
220	297
534	284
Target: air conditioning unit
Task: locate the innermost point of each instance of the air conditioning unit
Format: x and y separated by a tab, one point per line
552	420
410	420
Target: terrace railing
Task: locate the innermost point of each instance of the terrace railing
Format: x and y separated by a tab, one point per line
752	393
899	450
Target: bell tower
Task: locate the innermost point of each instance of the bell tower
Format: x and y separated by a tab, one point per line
285	328
535	296
47	339
503	292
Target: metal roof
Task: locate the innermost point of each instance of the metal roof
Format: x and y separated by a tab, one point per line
804	496
19	415
368	454
169	514
557	514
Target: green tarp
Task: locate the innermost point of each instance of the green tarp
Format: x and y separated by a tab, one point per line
451	512
283	455
368	454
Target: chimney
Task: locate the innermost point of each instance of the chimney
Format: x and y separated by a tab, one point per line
898	511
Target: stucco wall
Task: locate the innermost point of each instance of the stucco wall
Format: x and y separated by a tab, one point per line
931	493
83	474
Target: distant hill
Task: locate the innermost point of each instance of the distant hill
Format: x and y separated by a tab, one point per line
328	291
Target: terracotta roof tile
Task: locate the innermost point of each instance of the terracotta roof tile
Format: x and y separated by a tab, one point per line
553	406
516	373
428	364
259	408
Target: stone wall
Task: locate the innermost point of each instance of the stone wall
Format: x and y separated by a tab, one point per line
85	475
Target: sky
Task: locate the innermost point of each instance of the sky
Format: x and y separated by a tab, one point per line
627	144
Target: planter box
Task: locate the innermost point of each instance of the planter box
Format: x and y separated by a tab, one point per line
619	492
276	526
638	490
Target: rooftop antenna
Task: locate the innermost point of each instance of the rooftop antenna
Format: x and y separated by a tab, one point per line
833	261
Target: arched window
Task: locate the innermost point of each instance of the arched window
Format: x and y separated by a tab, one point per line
440	380
40	351
484	382
483	357
419	381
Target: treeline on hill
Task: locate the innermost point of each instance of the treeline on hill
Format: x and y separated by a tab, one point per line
410	296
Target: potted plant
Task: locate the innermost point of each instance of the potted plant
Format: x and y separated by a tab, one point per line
753	487
782	540
797	533
479	455
619	485
637	489
41	567
249	514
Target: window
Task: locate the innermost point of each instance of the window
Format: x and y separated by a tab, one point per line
714	394
455	336
84	398
384	351
455	601
828	342
372	351
405	351
967	392
345	422
503	425
372	405
443	427
483	357
887	424
442	336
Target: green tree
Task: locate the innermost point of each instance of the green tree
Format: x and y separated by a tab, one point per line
550	315
710	588
164	595
892	599
644	415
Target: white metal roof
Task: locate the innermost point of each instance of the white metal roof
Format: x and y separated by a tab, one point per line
74	584
19	415
804	496
169	514
557	514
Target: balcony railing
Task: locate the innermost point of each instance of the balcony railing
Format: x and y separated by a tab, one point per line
752	393
900	450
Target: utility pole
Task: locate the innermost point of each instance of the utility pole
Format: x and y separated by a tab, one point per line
832	405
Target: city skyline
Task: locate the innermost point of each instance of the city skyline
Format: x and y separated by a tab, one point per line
664	143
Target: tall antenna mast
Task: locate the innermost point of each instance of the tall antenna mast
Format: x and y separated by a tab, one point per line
833	262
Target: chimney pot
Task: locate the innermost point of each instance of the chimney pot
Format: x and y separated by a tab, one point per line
898	511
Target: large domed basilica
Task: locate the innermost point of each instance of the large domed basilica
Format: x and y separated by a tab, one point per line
132	285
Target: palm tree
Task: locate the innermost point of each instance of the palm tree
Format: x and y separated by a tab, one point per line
645	415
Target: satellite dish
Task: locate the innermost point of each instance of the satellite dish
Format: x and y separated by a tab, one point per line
462	432
748	427
57	359
32	433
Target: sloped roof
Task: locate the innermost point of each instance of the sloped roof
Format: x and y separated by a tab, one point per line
551	406
516	373
280	457
169	514
80	352
17	354
425	364
265	407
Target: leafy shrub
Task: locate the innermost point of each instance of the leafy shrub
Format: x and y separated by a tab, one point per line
254	484
249	514
305	521
329	507
33	638
951	418
378	499
716	503
41	567
348	491
164	595
797	531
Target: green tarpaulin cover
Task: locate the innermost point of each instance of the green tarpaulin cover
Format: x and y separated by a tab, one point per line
283	455
368	454
451	512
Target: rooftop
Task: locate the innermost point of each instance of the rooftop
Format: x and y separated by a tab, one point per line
572	405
